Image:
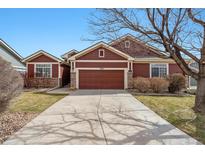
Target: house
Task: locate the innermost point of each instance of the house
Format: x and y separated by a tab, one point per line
114	65
68	54
192	82
102	66
46	70
10	55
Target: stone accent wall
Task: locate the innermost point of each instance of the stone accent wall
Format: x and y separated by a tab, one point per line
42	82
73	79
130	79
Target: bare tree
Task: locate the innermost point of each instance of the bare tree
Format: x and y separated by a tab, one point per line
178	32
11	83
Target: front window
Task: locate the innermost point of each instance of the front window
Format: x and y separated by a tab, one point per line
43	70
158	70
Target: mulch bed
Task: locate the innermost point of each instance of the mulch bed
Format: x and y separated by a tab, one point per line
11	122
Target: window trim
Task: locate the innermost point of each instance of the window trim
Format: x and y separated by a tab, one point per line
127	41
101	50
51	75
150	68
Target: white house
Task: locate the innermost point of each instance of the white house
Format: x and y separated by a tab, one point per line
10	55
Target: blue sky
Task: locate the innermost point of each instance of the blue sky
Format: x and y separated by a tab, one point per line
53	30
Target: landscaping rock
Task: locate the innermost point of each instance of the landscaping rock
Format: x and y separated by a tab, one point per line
10	122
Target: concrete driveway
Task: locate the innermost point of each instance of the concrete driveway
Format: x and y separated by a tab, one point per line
99	117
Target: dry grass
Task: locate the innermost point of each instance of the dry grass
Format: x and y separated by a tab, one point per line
178	111
34	102
23	109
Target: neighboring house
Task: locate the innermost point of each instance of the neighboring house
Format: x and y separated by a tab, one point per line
114	65
69	54
46	70
10	55
192	81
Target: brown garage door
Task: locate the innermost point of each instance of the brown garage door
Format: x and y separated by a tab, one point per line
101	79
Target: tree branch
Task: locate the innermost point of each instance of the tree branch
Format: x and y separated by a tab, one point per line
194	19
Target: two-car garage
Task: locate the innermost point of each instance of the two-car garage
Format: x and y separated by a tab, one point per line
100	67
101	79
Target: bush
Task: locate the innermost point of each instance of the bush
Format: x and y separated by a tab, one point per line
141	84
158	84
11	83
176	82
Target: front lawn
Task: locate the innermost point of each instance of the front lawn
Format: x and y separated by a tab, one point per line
34	102
23	109
178	111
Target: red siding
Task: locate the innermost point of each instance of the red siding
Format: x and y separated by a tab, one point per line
55	70
94	55
141	70
43	58
30	70
104	65
174	68
136	49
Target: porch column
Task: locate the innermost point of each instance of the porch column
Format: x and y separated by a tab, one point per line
130	75
72	75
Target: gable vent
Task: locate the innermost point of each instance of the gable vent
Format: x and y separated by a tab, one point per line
127	44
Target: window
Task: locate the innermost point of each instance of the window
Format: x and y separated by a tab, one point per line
159	70
101	52
127	44
43	70
192	82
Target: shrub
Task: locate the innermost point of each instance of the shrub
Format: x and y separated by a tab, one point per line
158	84
26	81
141	84
11	83
176	82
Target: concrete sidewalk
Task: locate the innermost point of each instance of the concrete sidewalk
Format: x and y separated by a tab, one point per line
99	117
61	90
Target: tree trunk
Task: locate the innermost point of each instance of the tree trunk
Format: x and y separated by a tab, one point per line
200	96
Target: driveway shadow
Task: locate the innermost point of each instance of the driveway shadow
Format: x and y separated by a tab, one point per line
83	118
126	128
64	129
119	128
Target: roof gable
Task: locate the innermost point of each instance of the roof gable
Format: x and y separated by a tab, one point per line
137	48
40	56
94	55
10	49
100	45
69	54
